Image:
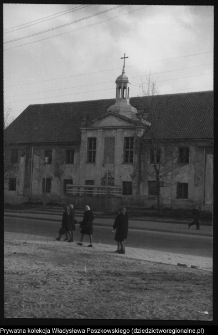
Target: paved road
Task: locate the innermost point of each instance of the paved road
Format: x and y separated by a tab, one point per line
189	244
134	223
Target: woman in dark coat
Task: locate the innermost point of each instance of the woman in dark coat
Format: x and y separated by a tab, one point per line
65	224
72	223
87	226
121	227
126	226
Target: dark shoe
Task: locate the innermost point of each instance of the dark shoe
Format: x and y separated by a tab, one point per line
65	239
57	238
79	243
90	245
116	250
197	228
121	252
70	241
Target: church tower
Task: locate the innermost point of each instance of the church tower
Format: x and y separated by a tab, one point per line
122	105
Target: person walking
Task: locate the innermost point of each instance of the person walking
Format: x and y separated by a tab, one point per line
63	230
115	229
126	226
72	223
196	215
121	227
87	226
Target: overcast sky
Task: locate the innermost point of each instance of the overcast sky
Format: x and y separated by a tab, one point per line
65	53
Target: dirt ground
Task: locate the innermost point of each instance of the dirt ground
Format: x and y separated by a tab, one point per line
64	280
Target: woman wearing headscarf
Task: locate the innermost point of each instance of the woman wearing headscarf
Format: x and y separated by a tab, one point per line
121	227
72	223
87	226
65	224
126	227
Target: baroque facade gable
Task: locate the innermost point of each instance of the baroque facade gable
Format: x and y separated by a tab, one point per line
111	120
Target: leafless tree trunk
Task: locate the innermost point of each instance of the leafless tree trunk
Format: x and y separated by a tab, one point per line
153	143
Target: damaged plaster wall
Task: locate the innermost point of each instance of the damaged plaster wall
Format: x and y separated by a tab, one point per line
57	171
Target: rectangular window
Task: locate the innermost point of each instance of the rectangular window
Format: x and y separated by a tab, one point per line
155	153
91	155
109	150
48	154
152	187
127	188
183	155
182	190
128	149
46	182
12	184
69	156
67	181
14	156
89	190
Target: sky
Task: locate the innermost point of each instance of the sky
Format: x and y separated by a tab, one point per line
65	53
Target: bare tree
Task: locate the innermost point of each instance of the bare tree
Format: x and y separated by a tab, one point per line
159	152
8	118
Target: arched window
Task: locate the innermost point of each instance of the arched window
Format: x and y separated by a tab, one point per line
124	92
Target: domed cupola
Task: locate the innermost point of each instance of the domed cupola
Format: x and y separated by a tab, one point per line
122	105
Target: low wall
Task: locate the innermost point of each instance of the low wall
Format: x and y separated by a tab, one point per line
15	200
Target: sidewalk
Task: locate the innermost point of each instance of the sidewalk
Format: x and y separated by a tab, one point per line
55	215
182	260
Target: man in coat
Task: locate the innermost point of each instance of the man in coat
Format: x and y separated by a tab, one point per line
196	218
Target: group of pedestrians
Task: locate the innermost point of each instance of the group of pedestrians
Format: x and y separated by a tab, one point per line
68	226
120	226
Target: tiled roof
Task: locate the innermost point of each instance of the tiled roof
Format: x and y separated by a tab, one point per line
187	115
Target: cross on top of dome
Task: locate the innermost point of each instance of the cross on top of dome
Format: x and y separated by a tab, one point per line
124	62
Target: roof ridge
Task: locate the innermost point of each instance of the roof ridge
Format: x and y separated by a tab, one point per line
70	102
138	97
173	94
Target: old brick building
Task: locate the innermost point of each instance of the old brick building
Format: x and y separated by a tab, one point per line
89	151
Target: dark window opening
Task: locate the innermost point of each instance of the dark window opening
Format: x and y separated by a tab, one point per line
128	149
67	181
127	188
14	156
155	153
183	155
12	184
182	190
47	182
48	155
152	187
91	150
69	156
